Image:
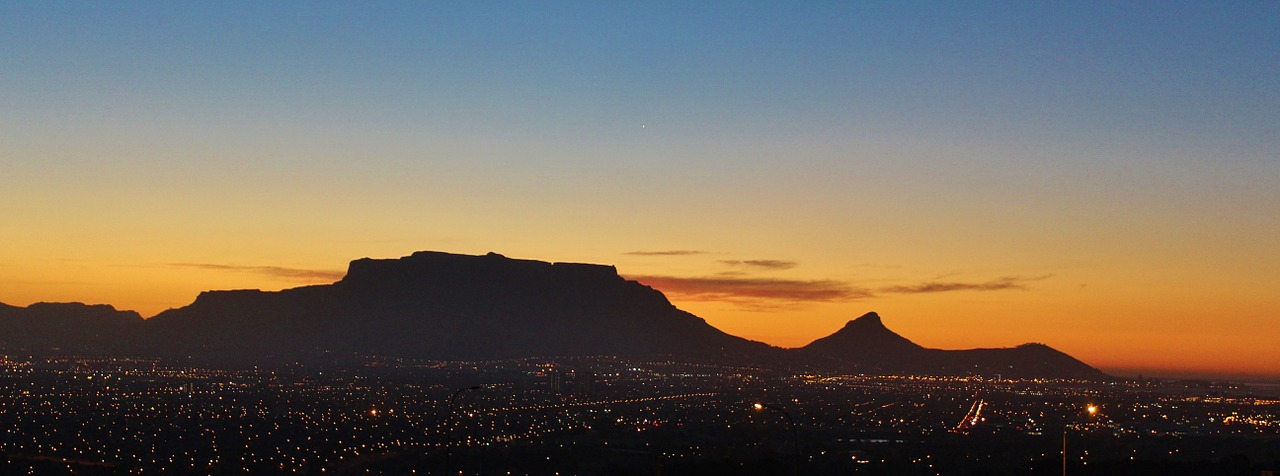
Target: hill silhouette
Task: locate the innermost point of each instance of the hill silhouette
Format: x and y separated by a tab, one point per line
69	327
445	306
865	345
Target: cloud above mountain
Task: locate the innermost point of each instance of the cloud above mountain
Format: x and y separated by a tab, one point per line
666	253
754	293
760	264
744	290
998	284
292	274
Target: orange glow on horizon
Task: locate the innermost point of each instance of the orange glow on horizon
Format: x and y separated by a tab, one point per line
1103	328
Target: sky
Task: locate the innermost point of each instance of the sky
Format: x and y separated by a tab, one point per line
1102	177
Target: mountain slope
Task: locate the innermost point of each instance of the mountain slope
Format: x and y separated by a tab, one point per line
446	306
864	338
71	328
458	307
865	345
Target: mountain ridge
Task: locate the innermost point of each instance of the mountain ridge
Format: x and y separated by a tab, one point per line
444	306
865	344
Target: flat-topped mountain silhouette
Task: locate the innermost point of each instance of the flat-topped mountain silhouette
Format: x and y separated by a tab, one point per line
458	307
445	306
68	327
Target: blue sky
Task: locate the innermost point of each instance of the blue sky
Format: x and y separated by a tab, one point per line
1061	71
1124	148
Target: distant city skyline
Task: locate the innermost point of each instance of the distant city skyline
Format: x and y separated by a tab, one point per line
1098	177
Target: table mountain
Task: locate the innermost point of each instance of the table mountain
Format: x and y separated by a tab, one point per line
444	306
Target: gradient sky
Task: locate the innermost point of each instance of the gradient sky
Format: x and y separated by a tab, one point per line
1101	177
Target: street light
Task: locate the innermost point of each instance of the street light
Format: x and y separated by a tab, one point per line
448	425
1093	410
795	435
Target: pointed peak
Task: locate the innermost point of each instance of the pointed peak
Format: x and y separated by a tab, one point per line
865	335
870	319
870	316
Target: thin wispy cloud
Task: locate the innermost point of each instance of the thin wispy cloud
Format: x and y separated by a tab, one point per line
666	253
763	294
999	284
293	274
770	264
753	290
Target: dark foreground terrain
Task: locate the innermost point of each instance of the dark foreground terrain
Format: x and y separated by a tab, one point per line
609	416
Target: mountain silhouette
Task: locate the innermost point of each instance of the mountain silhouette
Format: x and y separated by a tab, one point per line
867	346
446	306
443	306
68	327
863	339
